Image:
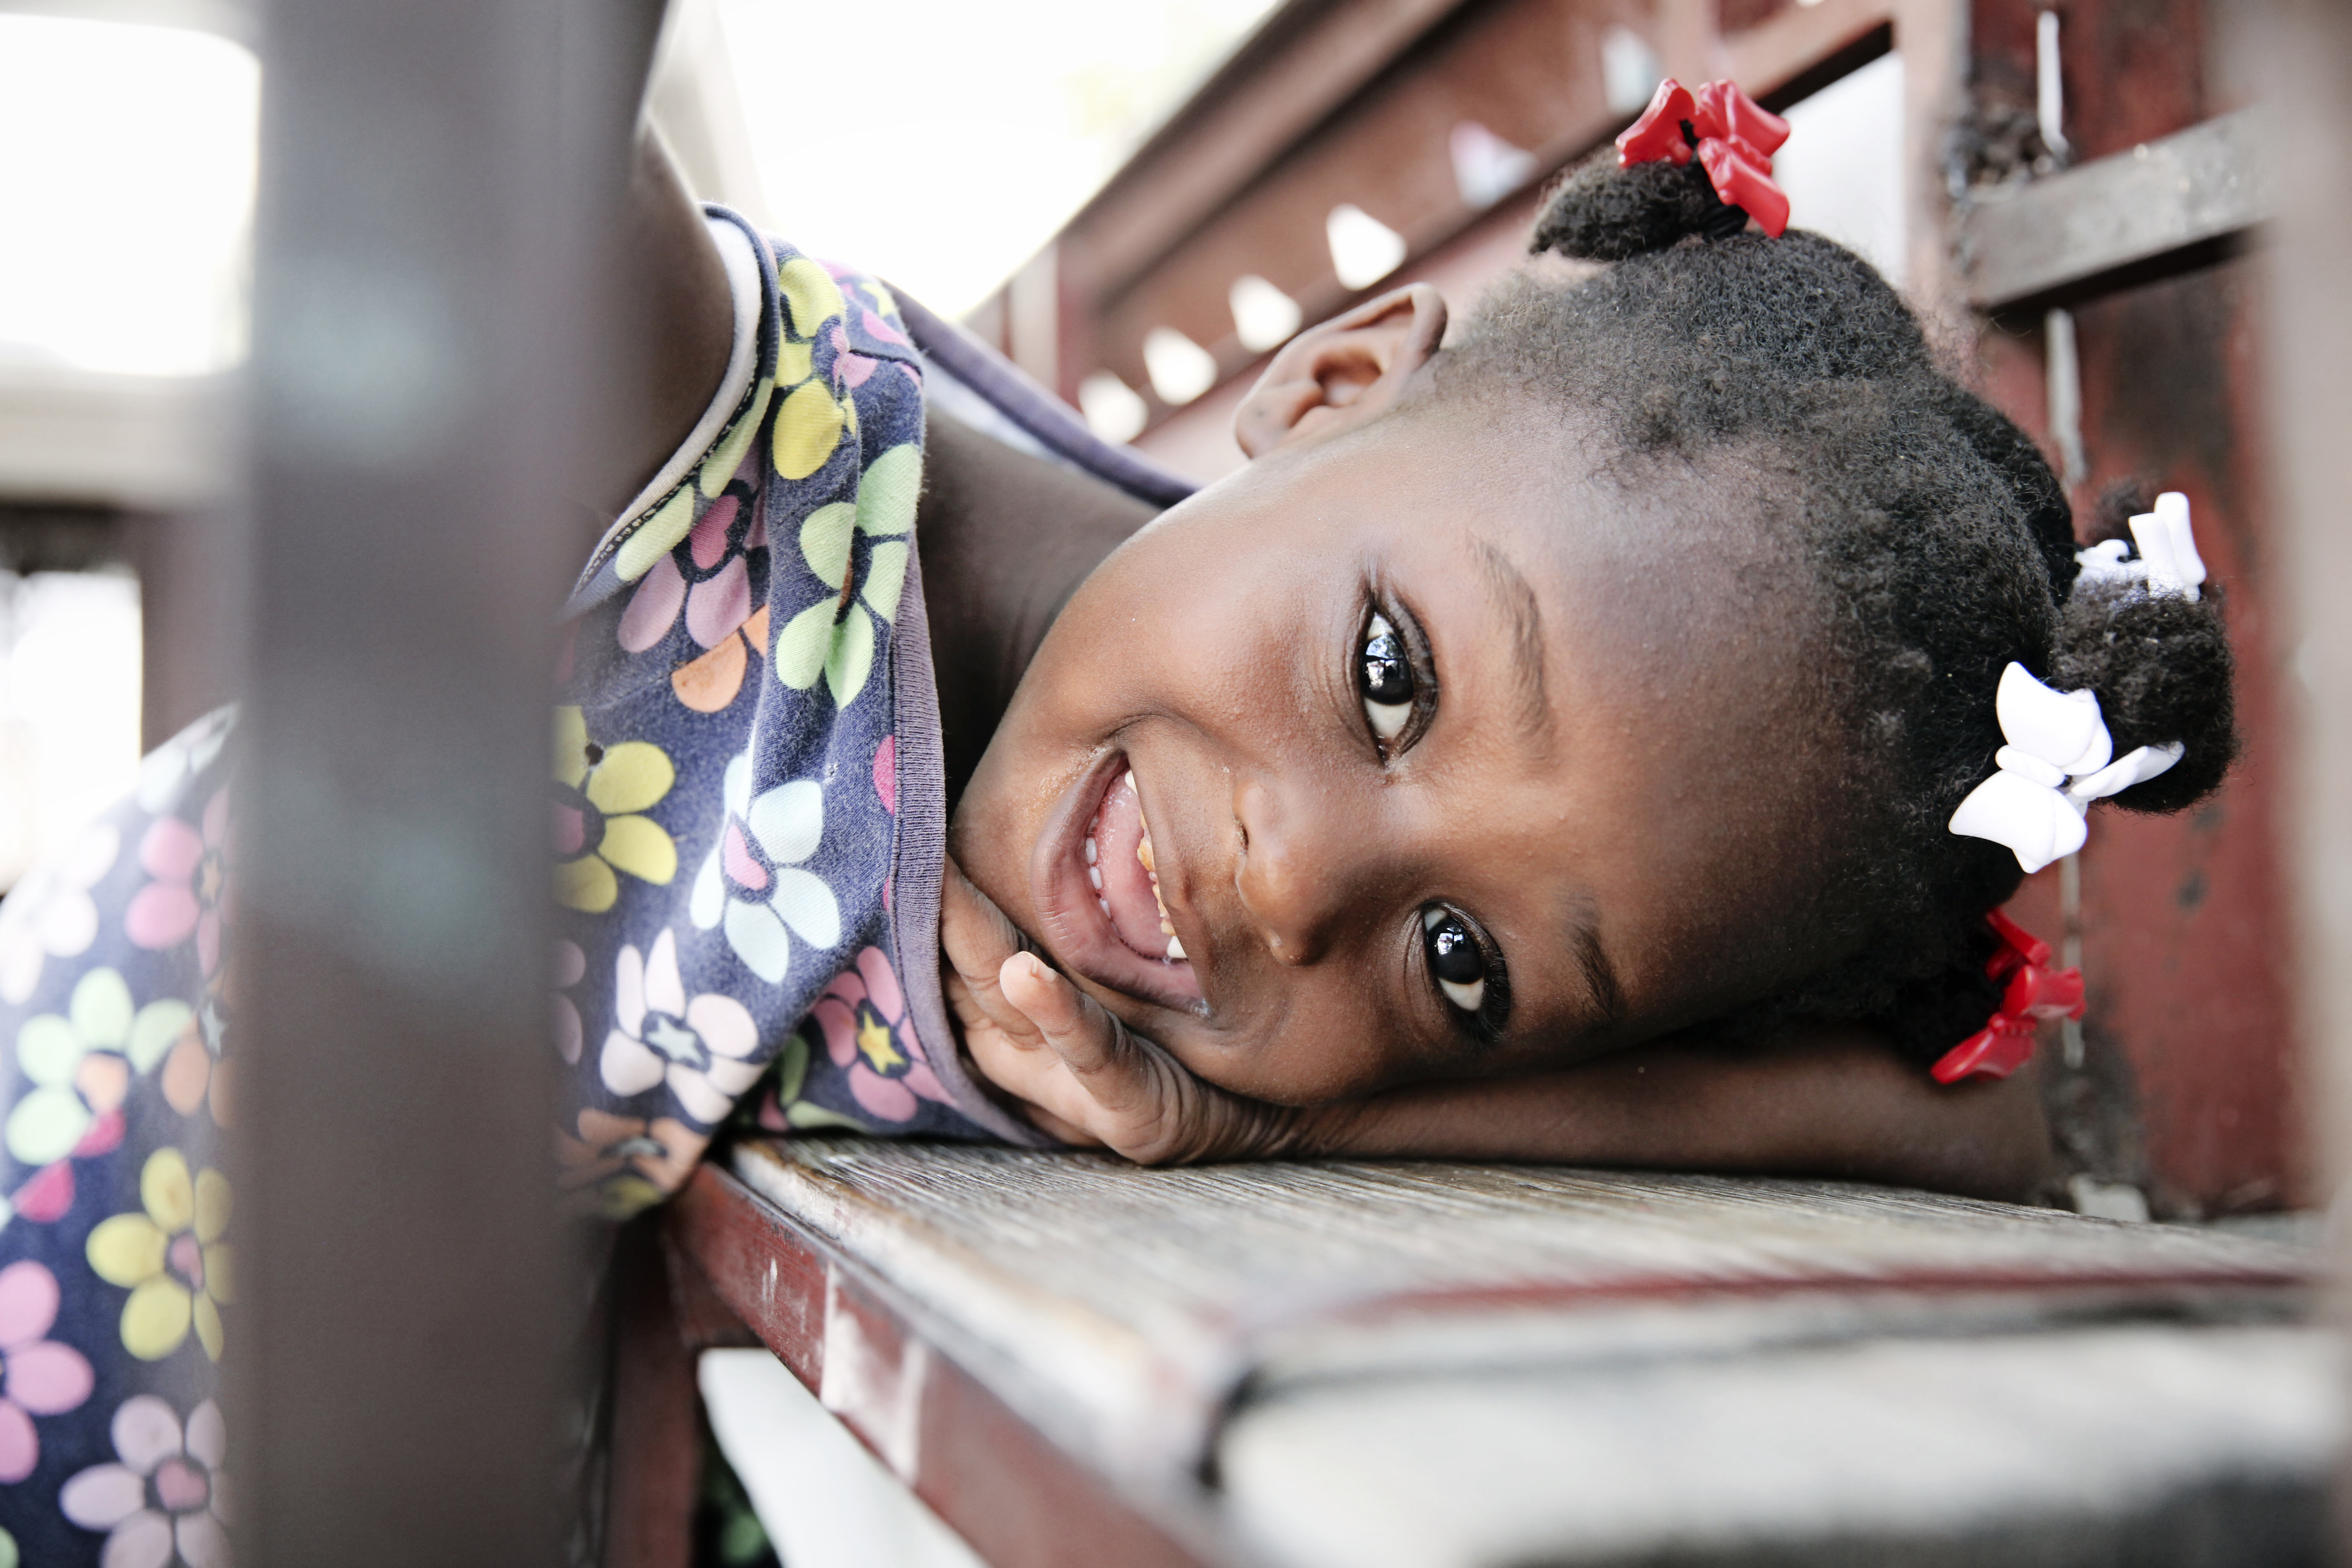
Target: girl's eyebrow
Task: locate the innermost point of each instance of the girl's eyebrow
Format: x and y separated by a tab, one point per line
1516	602
1592	958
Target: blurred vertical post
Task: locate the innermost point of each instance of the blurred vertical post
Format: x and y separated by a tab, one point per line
2304	49
438	178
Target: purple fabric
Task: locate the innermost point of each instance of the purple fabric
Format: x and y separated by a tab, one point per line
921	865
1038	412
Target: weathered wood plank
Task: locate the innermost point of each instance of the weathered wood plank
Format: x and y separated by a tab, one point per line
1020	1500
1117	1308
2153	1445
2061	235
1416	1362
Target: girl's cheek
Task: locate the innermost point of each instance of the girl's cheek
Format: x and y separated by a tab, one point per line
1331	1044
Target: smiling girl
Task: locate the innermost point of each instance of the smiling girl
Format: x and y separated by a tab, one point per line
1549	746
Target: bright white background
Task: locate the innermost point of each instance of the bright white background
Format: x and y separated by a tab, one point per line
126	186
941	142
1843	165
126	193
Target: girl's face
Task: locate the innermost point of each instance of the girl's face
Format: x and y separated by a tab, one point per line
1444	766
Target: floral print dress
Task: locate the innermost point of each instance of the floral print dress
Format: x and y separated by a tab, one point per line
748	817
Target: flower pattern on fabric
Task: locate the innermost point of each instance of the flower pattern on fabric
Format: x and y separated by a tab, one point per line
811	417
189	867
620	1165
38	1376
81	1065
861	1015
712	683
193	1075
716	601
709	579
836	638
812	298
571	969
600	829
886	773
788	790
164	1499
108	1064
50	913
697	1046
779	1107
171	1257
673	519
751	883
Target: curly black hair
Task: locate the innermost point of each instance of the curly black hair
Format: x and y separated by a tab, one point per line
1940	543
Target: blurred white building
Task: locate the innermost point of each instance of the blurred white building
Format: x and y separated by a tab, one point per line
126	190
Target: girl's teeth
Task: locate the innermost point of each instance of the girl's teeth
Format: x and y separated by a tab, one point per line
1143	855
1092	853
1094	875
1104	904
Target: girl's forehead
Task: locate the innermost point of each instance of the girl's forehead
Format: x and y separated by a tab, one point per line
1645	542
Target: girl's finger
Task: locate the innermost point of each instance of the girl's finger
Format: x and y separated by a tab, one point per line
1016	1066
1062	1131
1051	1096
1080	1033
1133	1097
977	939
982	1007
973	933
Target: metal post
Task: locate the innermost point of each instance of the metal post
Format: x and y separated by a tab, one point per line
424	263
2307	50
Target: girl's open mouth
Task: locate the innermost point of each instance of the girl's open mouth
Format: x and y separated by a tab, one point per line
1099	894
1118	853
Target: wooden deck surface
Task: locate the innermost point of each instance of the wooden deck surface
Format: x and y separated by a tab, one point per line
1073	1359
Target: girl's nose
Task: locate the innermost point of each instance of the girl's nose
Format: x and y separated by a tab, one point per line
1293	876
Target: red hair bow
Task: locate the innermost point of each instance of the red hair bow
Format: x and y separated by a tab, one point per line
1736	138
2034	991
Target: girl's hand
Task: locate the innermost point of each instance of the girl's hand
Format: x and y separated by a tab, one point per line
1082	1076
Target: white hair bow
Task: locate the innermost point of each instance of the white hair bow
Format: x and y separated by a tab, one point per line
2058	761
2167	561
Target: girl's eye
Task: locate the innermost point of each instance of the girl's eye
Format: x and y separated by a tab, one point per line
1386	681
1454	959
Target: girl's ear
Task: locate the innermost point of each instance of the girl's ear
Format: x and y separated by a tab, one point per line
1343	373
